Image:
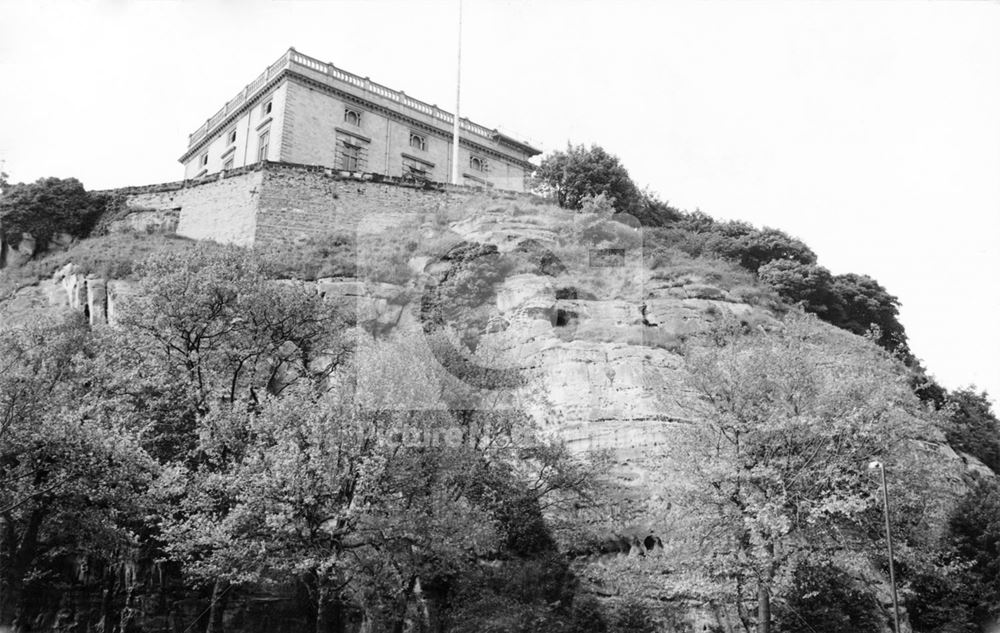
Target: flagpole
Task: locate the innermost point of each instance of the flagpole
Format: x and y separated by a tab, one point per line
458	99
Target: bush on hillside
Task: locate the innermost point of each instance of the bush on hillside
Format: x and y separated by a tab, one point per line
331	254
973	428
852	302
654	212
826	599
579	173
865	302
113	256
975	534
47	207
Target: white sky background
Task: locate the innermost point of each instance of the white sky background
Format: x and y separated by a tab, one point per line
871	130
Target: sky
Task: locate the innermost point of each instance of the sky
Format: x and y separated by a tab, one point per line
870	130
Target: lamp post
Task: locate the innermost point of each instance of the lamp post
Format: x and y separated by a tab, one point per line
888	537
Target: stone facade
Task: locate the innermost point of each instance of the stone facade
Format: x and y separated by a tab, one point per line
304	111
268	203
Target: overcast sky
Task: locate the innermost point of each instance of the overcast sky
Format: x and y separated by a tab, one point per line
871	130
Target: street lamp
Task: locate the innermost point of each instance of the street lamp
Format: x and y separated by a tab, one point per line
888	537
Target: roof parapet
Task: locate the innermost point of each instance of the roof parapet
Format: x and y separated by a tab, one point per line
292	59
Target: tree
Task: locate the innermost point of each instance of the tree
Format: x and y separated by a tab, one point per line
975	531
865	303
826	599
47	207
751	248
973	428
580	173
775	468
207	338
72	477
808	284
367	509
214	317
856	303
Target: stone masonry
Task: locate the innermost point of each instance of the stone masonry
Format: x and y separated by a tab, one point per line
282	203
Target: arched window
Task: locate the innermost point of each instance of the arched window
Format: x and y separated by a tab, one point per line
352	117
418	142
477	163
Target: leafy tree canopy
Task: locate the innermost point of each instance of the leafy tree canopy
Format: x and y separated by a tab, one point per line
973	428
580	173
852	302
72	473
47	207
776	466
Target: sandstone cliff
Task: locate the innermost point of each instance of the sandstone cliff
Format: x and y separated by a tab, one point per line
588	320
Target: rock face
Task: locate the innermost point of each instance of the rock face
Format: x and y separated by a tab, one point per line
17	254
68	290
593	333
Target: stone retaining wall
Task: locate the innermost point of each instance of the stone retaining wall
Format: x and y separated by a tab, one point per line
284	203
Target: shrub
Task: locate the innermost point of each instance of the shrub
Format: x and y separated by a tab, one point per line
110	256
852	302
579	173
969	597
633	616
47	207
328	255
825	599
973	428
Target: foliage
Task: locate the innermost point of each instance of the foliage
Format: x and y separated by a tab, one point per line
975	531
864	303
329	255
856	303
310	487
654	212
242	399
973	428
72	474
579	173
806	284
108	256
752	247
633	616
776	472
826	599
213	317
46	207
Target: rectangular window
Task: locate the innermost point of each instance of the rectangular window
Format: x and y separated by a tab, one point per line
351	157
352	152
228	164
265	139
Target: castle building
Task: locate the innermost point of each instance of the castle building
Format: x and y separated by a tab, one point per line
304	111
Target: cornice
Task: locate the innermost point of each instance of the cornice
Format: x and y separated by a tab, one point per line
396	115
417	159
360	137
287	74
212	134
